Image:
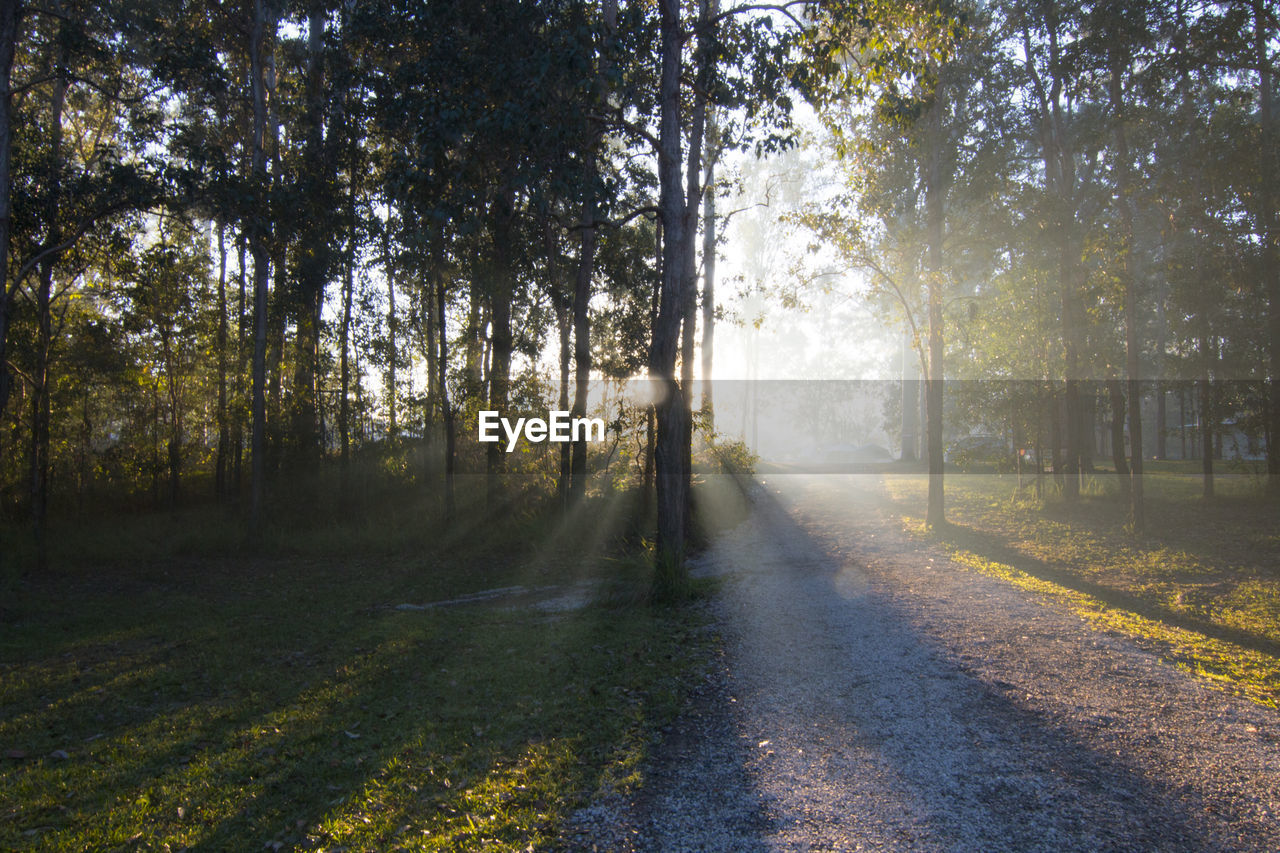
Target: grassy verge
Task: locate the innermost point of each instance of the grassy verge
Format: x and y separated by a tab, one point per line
1202	585
236	703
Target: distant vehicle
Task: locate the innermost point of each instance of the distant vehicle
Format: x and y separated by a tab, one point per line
849	454
979	451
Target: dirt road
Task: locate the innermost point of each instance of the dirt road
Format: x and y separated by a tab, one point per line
874	696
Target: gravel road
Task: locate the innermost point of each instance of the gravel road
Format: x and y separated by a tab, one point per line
874	696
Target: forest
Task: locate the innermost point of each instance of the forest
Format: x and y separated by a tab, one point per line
251	249
266	262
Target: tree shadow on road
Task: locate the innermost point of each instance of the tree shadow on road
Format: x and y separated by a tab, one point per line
995	548
851	718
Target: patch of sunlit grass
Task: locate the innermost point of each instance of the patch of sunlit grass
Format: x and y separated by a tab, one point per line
1229	666
1202	564
286	704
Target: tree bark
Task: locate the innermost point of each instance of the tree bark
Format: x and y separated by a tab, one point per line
9	17
564	328
313	261
709	283
910	401
393	326
237	422
935	194
224	430
1207	426
670	580
173	447
1270	266
1060	185
344	363
262	31
689	254
501	341
40	401
1116	397
1124	190
446	407
582	341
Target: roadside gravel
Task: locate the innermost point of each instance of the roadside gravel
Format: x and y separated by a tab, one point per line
875	696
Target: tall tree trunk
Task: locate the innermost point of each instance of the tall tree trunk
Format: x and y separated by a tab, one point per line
501	341
1270	266
1055	435
648	482
280	234
1162	342
155	444
471	344
1207	426
393	343
9	16
670	578
709	280
40	413
262	32
1206	435
446	407
174	445
910	400
1116	397
689	254
224	428
237	421
427	313
344	363
1071	389
313	262
562	304
86	436
935	194
277	334
1133	366
40	401
586	267
1060	185
582	341
564	328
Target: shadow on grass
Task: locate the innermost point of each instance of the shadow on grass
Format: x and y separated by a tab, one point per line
995	548
287	702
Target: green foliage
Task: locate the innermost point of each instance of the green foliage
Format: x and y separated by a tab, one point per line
721	455
234	702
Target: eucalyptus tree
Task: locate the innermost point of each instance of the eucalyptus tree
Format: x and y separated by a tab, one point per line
75	179
319	105
166	292
917	102
10	18
193	51
1119	33
1255	56
262	22
720	52
1060	109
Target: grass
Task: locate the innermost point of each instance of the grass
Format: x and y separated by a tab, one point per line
1202	585
282	702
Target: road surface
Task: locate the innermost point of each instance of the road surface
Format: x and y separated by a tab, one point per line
874	696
